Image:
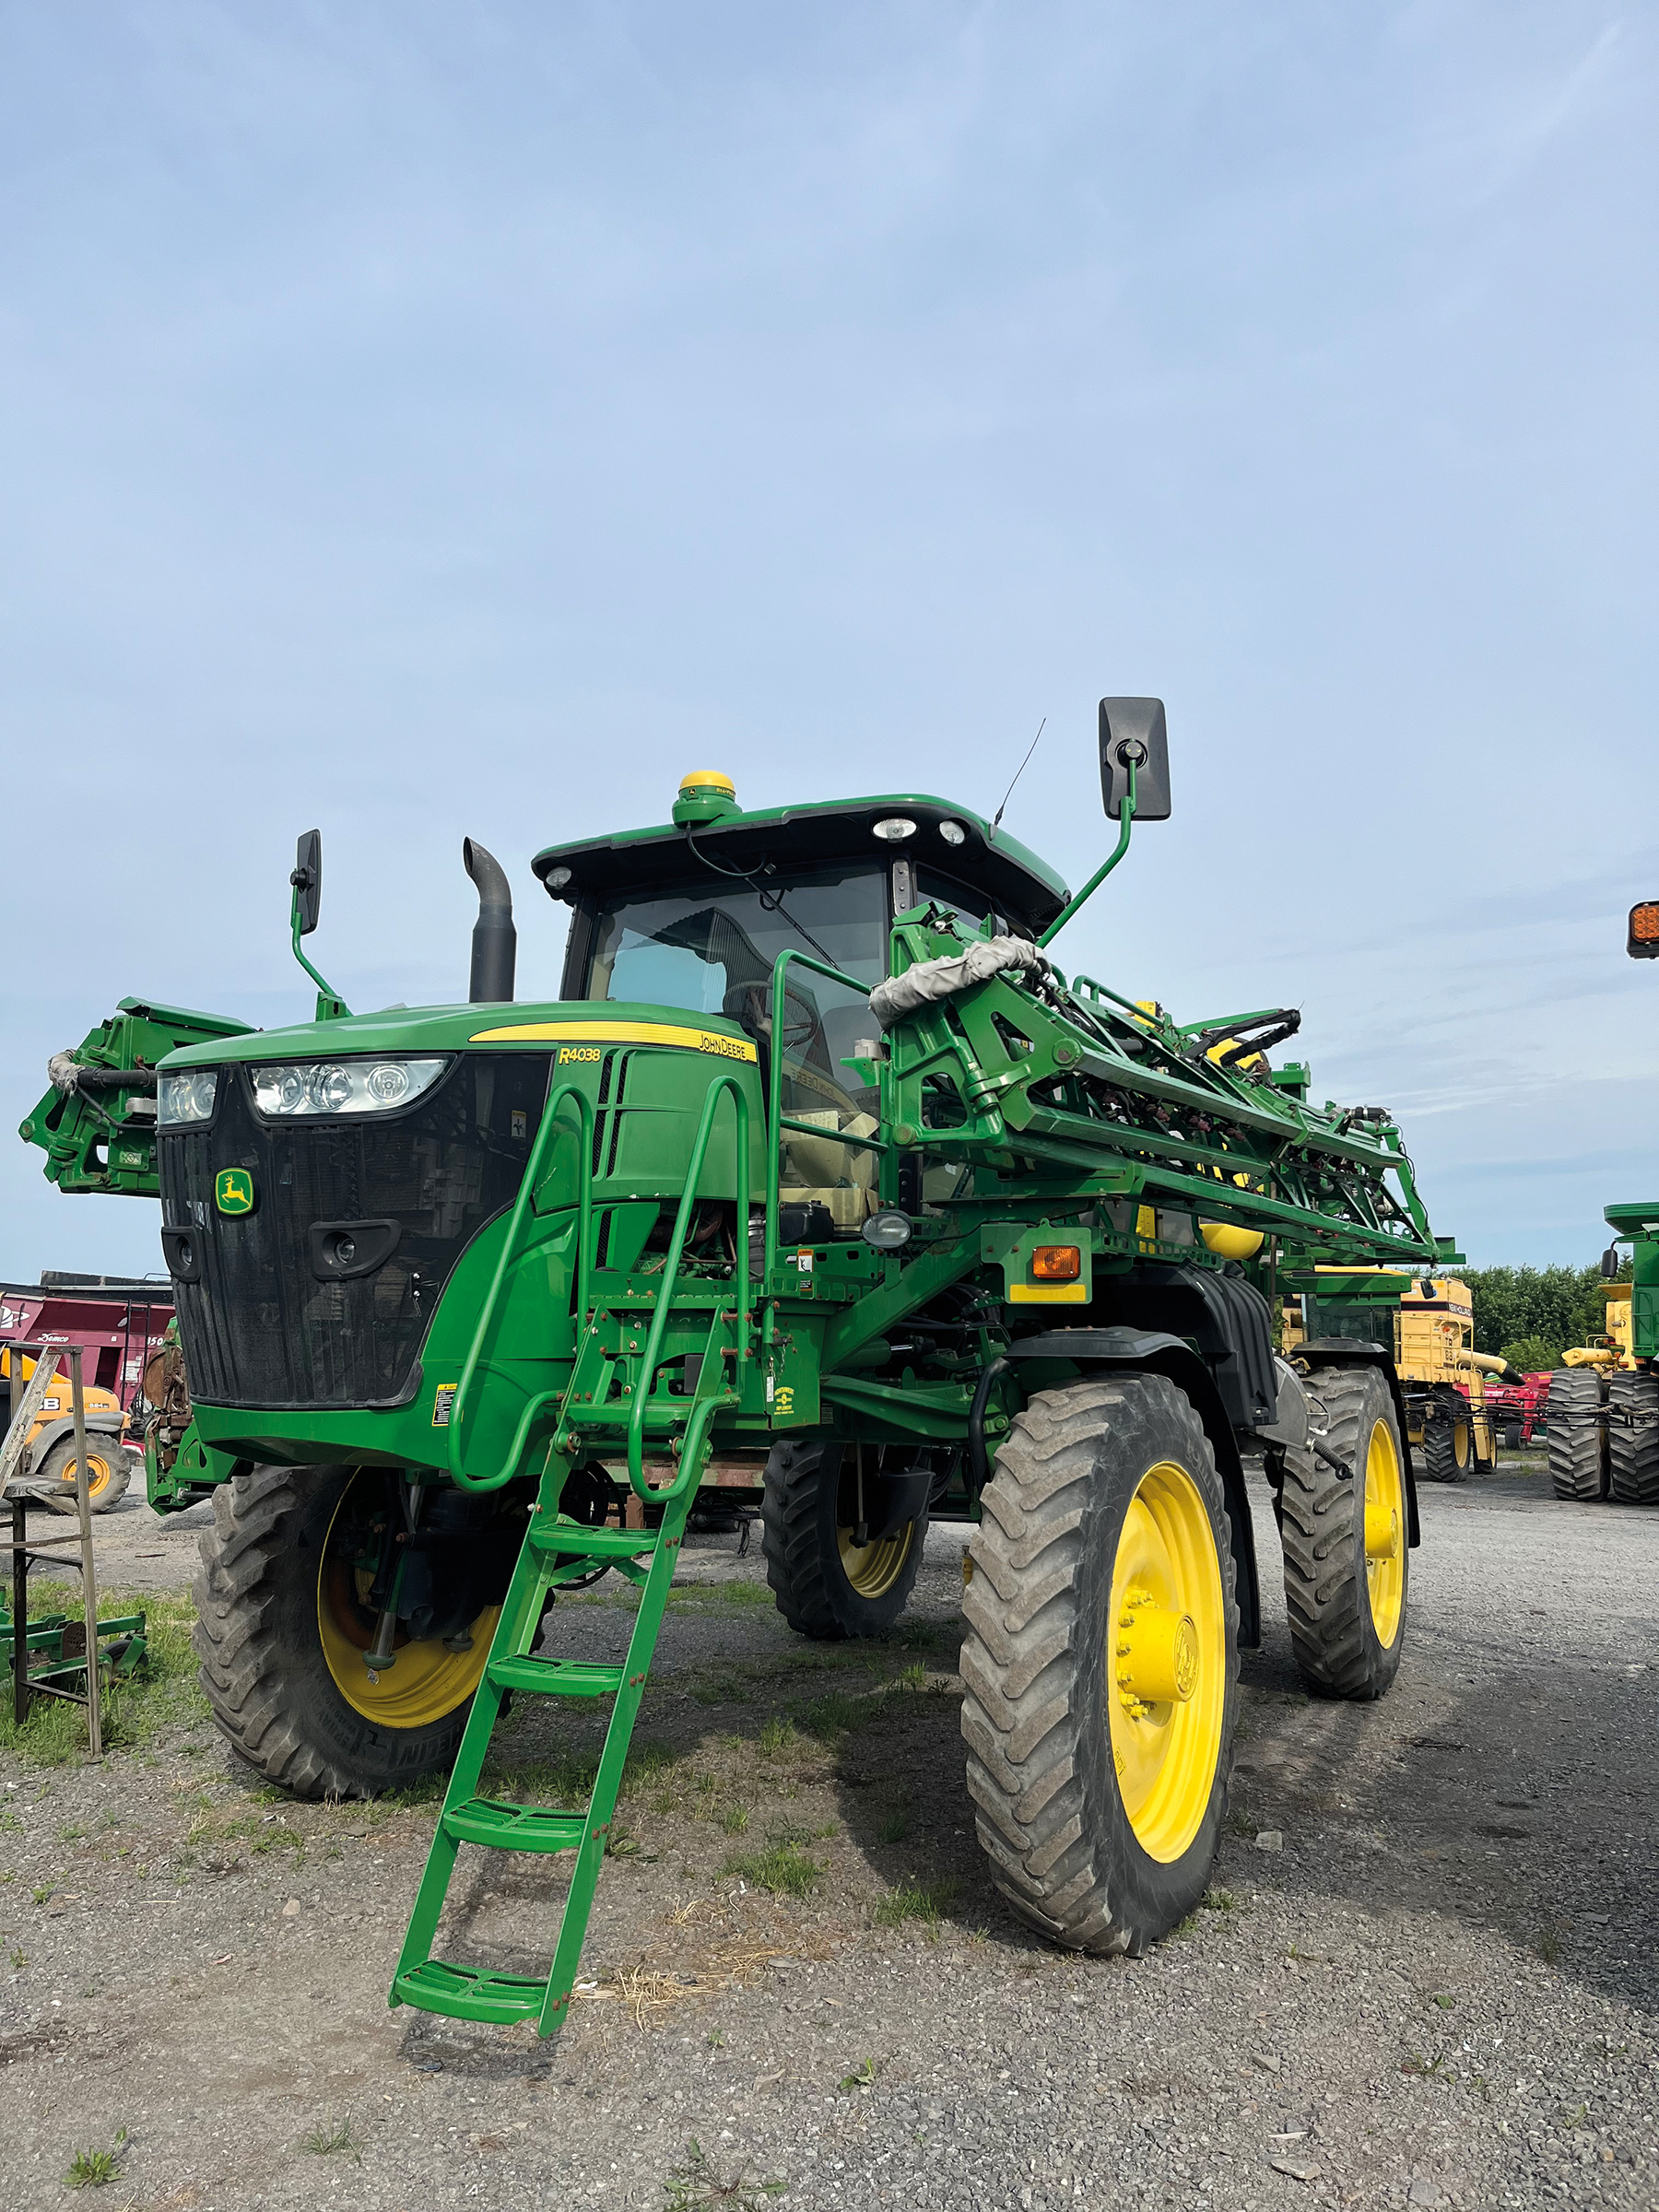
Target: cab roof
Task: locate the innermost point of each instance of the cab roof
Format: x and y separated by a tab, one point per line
1025	888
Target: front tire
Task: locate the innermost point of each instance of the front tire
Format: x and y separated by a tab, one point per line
1100	1666
1346	1559
827	1586
282	1631
1448	1445
1577	1435
109	1470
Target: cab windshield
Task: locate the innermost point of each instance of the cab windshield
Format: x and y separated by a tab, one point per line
709	946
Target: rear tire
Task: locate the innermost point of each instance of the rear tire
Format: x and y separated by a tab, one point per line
1577	1435
1345	1596
1633	1438
1104	1542
825	1587
267	1565
109	1470
1511	1436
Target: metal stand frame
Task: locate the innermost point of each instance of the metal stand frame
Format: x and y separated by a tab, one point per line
26	1403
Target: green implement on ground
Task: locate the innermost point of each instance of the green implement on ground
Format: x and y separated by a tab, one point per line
822	1191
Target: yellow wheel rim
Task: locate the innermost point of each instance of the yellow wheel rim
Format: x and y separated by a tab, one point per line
100	1472
1385	1534
426	1681
1460	1443
1166	1662
873	1568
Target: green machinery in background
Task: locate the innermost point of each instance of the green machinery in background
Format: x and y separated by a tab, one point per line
1603	1422
819	1185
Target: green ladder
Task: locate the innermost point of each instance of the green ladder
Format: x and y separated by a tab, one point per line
555	1550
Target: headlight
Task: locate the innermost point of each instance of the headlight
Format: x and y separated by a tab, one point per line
187	1098
284	1089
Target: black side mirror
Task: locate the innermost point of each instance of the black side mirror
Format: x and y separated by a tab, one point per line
1132	731
307	880
1610	1265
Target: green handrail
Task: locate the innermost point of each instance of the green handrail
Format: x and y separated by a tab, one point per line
704	1406
508	1255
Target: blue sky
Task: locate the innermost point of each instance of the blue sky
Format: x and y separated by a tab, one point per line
422	420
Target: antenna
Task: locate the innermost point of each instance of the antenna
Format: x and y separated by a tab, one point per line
997	818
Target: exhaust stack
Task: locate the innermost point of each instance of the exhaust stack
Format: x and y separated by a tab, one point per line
494	939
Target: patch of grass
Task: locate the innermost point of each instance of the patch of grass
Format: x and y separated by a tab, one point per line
325	2141
919	1635
837	1712
165	1693
776	1735
1220	1900
567	1781
92	2169
894	1826
735	1820
1444	2002
783	1867
914	1900
738	1597
42	1895
862	2077
649	1764
20	1960
697	2182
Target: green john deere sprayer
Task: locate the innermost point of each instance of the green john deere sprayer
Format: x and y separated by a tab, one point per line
819	1175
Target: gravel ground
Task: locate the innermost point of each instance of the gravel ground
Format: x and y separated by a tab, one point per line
1439	1989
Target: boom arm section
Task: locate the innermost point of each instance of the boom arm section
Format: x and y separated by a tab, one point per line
1022	1073
97	1124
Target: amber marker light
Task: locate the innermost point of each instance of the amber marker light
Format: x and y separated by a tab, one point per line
1056	1264
1642	943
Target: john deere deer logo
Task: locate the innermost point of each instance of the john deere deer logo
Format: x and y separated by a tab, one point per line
233	1191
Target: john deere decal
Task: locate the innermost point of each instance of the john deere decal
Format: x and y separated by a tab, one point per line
233	1191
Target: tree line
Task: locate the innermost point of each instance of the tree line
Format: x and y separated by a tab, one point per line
1530	1315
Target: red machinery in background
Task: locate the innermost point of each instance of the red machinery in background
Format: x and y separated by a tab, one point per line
1518	1408
119	1320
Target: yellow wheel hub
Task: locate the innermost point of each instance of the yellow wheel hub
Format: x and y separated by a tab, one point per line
1166	1662
1385	1534
873	1568
426	1681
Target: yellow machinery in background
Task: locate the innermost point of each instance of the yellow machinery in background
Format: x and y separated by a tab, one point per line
1613	1348
1428	1324
49	1453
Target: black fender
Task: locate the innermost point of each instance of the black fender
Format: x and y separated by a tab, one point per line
102	1423
1342	1351
1155	1352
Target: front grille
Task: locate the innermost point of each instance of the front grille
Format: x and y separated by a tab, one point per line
258	1328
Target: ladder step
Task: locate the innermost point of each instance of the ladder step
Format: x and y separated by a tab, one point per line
467	1993
556	1678
571	1538
493	1821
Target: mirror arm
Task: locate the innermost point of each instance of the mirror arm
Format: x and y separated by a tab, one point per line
1125	817
330	1006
